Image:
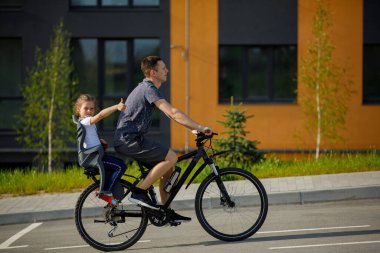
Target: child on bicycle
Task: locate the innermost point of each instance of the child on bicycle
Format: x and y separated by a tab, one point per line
85	112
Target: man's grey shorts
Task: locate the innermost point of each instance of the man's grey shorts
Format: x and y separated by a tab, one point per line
142	149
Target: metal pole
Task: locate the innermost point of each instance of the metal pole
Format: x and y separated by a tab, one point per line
186	56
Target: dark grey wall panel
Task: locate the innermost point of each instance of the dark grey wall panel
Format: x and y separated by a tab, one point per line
257	22
371	22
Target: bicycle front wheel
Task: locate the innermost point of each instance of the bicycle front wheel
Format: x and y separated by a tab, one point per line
236	216
108	228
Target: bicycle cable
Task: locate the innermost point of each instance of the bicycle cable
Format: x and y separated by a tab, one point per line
210	147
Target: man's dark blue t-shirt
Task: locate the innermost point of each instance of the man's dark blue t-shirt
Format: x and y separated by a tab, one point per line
137	117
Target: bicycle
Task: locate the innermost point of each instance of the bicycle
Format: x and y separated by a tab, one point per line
232	195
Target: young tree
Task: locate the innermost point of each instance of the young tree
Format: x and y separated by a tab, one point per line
327	89
45	122
240	149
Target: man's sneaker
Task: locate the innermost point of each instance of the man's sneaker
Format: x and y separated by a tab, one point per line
141	198
175	217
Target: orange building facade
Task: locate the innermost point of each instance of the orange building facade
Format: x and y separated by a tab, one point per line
275	126
214	49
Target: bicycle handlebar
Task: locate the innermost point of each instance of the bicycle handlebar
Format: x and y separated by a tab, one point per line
201	136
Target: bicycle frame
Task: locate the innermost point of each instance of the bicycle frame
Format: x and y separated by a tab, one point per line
196	155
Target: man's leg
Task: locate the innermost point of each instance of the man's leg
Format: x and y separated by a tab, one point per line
163	194
163	170
147	150
140	196
160	170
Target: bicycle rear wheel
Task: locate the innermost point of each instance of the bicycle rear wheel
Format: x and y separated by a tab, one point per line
108	228
240	218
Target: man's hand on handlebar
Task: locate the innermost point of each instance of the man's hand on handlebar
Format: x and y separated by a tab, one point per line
207	131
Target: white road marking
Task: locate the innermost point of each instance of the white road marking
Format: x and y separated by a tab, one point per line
15	247
323	245
7	243
68	247
83	246
312	229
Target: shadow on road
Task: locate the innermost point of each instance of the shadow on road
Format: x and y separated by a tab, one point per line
271	238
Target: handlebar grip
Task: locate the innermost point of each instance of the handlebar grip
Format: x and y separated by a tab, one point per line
201	136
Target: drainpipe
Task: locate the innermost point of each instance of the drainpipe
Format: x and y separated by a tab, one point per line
185	56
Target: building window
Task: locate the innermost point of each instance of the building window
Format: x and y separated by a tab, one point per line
10	76
258	74
11	4
146	2
114	3
110	69
371	74
371	52
85	57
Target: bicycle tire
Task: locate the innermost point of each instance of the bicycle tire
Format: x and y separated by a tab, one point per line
90	220
231	223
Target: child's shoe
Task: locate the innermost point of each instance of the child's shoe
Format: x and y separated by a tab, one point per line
107	197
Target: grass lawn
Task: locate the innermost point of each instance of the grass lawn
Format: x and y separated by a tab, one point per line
27	182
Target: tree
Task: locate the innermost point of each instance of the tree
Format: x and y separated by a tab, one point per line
240	149
327	88
45	122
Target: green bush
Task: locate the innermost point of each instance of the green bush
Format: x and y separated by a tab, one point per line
240	149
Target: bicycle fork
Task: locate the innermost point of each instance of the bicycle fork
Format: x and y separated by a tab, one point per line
225	197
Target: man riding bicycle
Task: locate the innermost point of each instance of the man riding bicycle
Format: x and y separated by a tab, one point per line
134	123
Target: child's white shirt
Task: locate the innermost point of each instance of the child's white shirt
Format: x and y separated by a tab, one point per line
92	138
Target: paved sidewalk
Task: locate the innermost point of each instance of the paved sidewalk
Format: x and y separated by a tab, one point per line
288	190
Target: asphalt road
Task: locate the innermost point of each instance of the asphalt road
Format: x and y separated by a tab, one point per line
347	226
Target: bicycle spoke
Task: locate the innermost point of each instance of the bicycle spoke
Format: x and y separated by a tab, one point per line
126	232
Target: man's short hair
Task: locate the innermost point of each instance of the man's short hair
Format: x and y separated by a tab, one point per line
148	63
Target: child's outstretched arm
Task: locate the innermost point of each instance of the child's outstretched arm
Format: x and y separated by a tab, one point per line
107	111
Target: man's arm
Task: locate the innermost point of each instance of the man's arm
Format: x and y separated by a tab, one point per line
180	117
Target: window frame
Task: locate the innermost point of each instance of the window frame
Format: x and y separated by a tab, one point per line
270	70
371	37
14	97
99	6
368	101
101	95
18	6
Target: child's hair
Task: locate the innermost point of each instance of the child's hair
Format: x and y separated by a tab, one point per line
80	100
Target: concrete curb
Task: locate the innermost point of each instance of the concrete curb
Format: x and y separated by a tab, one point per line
303	197
17	218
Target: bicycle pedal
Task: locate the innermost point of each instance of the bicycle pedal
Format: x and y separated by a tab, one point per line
174	224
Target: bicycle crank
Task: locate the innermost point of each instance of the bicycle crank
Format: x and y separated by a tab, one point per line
159	217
